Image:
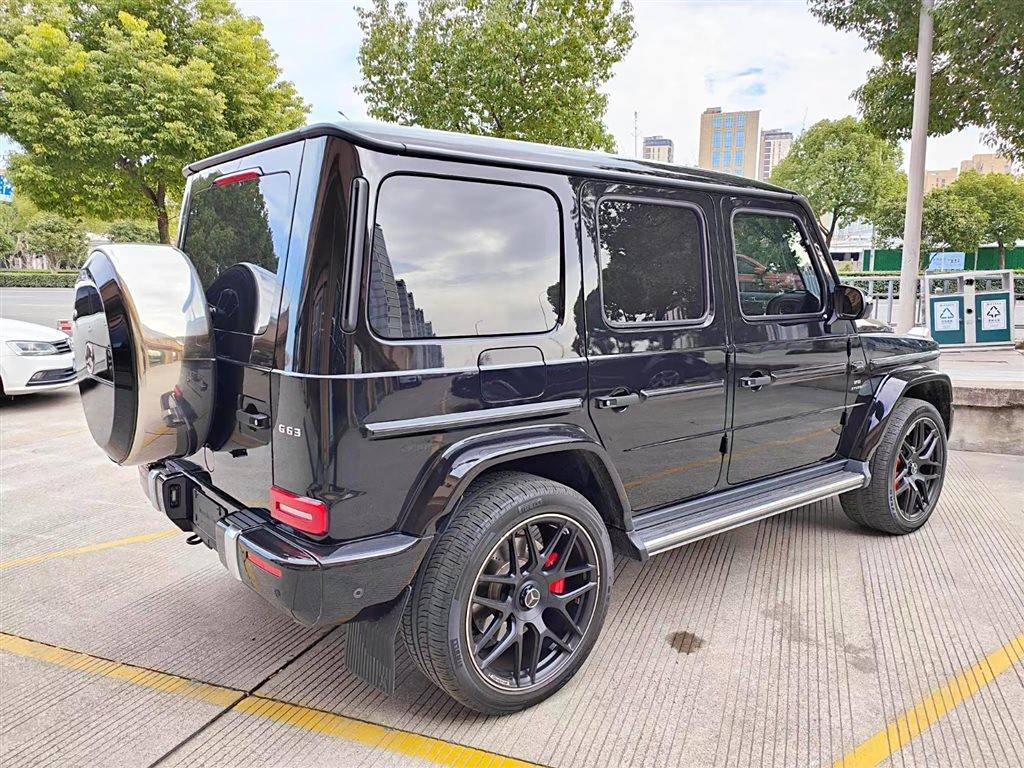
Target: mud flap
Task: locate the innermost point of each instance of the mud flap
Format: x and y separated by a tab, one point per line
370	645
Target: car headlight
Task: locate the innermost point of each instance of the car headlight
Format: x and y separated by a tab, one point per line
32	347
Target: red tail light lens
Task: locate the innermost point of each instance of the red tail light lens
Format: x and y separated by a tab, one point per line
299	512
263	565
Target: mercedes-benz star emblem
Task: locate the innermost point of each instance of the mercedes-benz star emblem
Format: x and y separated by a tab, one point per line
531	596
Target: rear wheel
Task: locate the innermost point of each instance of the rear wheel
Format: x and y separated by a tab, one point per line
907	472
514	594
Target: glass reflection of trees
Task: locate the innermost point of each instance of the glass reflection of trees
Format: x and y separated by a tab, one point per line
773	243
651	266
772	258
230	224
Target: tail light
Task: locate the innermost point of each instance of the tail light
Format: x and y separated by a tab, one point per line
234	178
300	512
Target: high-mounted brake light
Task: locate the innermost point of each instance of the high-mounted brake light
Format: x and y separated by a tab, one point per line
234	178
300	512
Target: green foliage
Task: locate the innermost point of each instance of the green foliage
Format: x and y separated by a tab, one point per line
978	73
37	278
519	69
129	231
62	240
951	221
1001	198
110	98
845	171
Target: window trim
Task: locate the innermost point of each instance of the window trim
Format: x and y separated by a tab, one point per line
822	311
421	340
709	306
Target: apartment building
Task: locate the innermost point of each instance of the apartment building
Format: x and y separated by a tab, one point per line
729	141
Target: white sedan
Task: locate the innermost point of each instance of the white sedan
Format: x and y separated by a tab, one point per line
33	358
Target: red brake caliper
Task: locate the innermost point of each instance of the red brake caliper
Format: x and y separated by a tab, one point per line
899	467
557	587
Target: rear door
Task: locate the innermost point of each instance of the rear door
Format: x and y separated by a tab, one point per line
791	362
657	339
236	231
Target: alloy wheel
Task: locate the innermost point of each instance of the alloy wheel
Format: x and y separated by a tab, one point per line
918	469
532	602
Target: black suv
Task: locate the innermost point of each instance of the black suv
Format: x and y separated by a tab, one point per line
427	384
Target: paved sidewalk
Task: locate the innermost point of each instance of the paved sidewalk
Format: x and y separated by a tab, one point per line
802	640
998	368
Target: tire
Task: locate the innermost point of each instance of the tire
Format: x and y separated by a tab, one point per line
905	481
450	632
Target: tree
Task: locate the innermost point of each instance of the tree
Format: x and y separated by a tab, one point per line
520	69
110	98
951	221
1001	197
978	70
845	171
129	231
60	239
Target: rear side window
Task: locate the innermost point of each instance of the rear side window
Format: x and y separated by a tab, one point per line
463	258
652	262
774	266
240	221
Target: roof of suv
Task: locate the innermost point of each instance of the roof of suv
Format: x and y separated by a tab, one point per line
423	142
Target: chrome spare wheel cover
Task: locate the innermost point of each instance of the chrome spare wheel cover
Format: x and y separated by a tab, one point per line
143	352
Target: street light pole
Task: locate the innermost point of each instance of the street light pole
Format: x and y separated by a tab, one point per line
915	187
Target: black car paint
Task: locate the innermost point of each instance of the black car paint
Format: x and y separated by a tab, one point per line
390	443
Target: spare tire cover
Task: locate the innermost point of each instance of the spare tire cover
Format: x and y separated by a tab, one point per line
143	352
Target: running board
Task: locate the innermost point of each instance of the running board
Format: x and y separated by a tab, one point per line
671	527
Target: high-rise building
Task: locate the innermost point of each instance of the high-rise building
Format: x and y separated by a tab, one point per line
659	149
728	141
939	179
986	163
775	145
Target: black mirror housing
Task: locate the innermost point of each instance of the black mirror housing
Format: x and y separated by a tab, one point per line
849	302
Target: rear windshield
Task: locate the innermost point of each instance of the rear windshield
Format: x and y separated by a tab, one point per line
240	221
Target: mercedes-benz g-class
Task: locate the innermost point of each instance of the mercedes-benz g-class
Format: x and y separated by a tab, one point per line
427	384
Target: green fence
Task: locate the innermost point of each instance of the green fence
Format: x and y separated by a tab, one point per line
888	259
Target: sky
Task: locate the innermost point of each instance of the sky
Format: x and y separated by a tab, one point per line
688	55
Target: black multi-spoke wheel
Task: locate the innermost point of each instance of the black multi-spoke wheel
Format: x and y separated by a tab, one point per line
907	471
512	598
533	601
917	471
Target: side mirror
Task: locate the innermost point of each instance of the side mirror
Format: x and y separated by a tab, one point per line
849	302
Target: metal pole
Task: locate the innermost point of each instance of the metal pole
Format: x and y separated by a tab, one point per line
915	187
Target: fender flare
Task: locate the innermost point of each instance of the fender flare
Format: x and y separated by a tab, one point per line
877	400
444	480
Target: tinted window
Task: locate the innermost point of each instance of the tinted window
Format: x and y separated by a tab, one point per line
651	262
241	221
463	258
774	266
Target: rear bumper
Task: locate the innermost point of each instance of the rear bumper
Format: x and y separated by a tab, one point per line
316	584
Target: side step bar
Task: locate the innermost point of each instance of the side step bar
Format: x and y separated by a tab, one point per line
671	527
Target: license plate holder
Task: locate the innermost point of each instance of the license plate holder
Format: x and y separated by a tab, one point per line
205	514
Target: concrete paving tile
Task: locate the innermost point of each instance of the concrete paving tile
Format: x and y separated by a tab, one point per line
50	715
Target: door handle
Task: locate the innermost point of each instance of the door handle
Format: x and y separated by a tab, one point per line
756	382
618	401
257	421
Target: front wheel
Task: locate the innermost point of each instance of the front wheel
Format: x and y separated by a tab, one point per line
907	472
513	596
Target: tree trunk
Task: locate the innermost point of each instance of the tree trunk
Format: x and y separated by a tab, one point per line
831	230
162	224
1002	254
